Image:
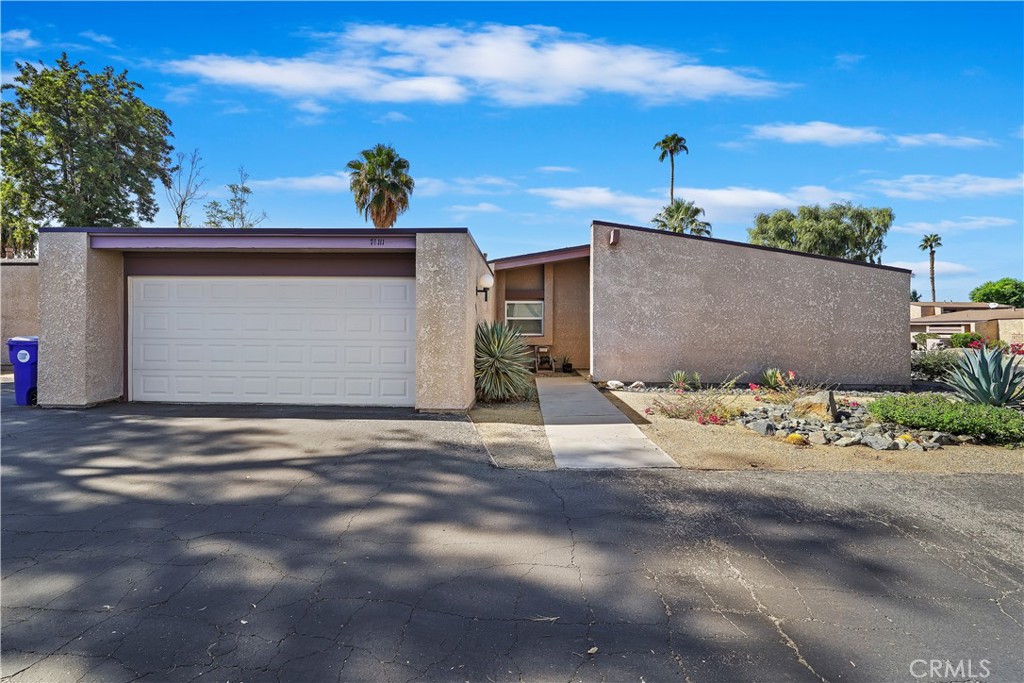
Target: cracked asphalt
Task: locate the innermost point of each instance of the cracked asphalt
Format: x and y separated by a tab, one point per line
188	543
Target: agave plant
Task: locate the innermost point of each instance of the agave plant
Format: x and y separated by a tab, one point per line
501	363
988	376
773	379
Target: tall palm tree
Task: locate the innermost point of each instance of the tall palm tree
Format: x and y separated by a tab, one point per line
682	216
381	184
671	145
930	243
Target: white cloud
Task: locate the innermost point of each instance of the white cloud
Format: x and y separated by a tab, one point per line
847	60
510	65
18	39
556	169
946	226
940	187
482	207
941	140
727	204
478	185
97	37
180	94
392	117
819	132
309	106
327	182
941	267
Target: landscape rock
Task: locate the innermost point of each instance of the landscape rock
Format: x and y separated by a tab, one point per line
817	438
763	427
965	439
615	385
637	386
914	446
880	442
854	440
822	406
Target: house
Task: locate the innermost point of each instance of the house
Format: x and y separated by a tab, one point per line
920	309
371	317
992	321
637	303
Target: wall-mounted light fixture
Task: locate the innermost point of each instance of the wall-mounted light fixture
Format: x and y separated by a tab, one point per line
613	237
484	284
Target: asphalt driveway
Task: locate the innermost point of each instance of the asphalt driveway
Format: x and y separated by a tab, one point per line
274	544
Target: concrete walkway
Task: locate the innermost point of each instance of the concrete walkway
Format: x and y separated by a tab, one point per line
587	432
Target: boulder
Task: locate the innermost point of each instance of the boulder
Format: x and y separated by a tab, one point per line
854	440
880	442
821	406
914	446
965	439
615	385
763	427
817	438
637	386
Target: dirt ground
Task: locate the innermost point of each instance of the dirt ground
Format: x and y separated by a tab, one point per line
731	447
514	435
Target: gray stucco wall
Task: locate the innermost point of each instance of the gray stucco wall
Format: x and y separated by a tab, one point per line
447	311
19	301
663	302
81	310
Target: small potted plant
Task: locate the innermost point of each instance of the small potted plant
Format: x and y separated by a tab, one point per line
566	364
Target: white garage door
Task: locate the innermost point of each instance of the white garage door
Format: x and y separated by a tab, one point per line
317	340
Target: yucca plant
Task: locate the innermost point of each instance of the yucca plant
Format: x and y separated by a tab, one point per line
988	376
681	381
501	363
773	379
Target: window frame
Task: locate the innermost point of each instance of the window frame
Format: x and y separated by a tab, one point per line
540	318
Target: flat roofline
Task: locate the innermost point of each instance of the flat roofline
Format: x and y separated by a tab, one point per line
751	246
539	257
966	304
258	232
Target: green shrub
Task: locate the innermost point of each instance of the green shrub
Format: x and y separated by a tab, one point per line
501	370
921	338
680	381
988	376
933	365
939	413
773	379
961	340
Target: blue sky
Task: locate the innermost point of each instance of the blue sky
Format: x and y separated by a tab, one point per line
525	121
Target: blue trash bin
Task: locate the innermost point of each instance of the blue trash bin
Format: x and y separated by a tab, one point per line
24	353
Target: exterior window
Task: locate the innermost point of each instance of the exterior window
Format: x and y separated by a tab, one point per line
528	316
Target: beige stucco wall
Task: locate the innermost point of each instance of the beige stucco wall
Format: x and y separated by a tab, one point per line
448	308
81	311
663	302
19	301
571	311
1011	331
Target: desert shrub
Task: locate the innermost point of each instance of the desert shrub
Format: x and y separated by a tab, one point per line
988	376
939	413
921	338
781	388
680	381
710	405
933	365
501	370
773	379
962	340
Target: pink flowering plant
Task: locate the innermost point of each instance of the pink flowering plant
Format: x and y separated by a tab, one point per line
706	405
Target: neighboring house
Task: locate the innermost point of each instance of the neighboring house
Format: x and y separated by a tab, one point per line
638	303
388	317
920	309
998	322
19	301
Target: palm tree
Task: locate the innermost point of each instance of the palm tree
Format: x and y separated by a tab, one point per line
671	145
684	217
930	243
381	184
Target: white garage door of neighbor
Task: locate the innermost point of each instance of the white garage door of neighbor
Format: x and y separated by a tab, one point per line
297	340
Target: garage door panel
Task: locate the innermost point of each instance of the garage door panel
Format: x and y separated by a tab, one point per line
273	340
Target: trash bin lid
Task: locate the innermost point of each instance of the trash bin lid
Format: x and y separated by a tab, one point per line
23	340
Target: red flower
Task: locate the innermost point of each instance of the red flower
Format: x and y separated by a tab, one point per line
754	387
757	398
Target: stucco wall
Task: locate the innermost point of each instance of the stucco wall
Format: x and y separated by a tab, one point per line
571	306
81	310
447	311
19	301
663	302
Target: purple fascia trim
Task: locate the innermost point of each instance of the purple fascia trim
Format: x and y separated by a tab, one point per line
251	242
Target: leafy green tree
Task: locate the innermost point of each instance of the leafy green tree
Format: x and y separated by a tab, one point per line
381	185
18	221
840	230
1008	290
671	145
79	149
930	243
684	217
237	213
